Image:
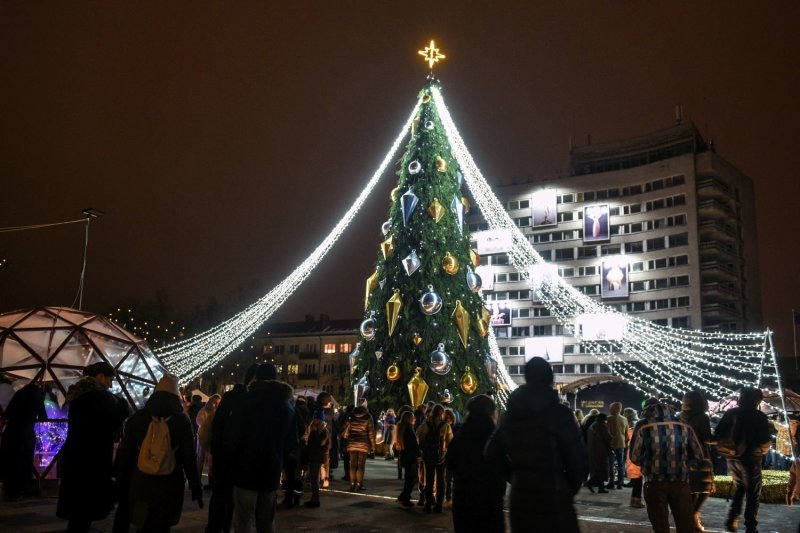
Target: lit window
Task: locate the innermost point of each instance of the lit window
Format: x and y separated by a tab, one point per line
329	348
345	347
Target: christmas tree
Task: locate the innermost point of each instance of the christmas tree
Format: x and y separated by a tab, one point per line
424	332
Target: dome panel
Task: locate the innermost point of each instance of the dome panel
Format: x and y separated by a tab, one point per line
43	341
76	352
9	319
113	349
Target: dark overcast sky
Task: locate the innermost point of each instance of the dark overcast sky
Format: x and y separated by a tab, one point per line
224	140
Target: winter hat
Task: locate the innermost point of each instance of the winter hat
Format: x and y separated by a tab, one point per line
481	405
95	369
538	372
168	383
266	372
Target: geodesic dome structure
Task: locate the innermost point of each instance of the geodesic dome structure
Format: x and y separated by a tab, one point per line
54	344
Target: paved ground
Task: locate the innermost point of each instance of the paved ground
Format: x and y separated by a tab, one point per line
376	512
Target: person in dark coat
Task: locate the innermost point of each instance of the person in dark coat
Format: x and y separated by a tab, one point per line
410	455
87	492
293	460
600	449
701	472
155	502
538	446
220	506
318	443
752	436
19	440
194	408
342	420
477	489
262	429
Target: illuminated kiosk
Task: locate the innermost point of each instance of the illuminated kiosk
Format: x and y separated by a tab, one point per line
52	345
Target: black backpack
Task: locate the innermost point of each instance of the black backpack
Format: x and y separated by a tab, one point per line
432	446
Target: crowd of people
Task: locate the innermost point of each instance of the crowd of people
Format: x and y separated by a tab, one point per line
259	439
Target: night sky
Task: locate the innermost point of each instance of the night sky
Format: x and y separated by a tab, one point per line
224	140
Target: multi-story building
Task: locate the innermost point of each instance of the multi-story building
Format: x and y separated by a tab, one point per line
658	226
312	354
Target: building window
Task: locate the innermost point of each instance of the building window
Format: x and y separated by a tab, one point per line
292	369
610	249
635	307
637	286
565	254
542	331
566	217
680	239
329	348
524	331
638	266
655	244
558	369
541	311
516	350
569	348
524	312
634	247
346	347
587	251
280	349
515	370
682	322
522	222
294	348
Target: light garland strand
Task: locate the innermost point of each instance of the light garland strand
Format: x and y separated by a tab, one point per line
190	358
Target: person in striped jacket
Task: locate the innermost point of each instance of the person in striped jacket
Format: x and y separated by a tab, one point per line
663	447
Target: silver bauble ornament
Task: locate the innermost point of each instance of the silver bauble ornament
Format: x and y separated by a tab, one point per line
386	227
474	281
459	177
431	302
429	125
368	328
414	167
411	262
440	362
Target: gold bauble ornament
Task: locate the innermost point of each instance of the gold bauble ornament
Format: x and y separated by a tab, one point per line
393	307
387	247
469	381
441	164
372	282
474	257
482	327
450	264
466	204
461	318
393	372
416	339
395	194
417	388
426	98
436	210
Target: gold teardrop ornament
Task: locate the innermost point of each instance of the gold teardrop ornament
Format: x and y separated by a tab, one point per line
417	388
482	327
393	307
416	339
426	98
372	282
461	318
469	381
475	258
436	210
387	247
395	194
415	125
441	164
486	315
466	204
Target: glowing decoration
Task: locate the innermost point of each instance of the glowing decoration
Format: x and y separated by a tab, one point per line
429	125
440	361
457	208
408	202
393	372
368	328
361	388
473	280
411	262
416	339
386	227
417	388
461	318
431	54
469	381
450	264
372	282
436	210
430	303
414	167
441	164
387	247
393	307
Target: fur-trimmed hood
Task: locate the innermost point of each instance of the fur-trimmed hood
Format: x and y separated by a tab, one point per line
279	388
615	408
82	386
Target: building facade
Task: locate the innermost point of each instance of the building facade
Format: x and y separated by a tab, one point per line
658	226
313	354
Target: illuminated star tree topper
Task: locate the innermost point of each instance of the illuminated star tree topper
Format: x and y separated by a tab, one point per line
431	54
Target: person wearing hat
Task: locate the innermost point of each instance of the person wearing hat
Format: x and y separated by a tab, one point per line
155	502
86	491
539	448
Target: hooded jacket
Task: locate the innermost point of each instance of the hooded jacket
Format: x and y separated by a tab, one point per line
617	426
664	447
359	432
750	427
158	498
538	446
693	413
260	430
